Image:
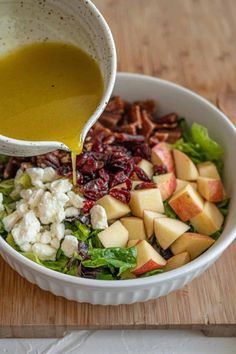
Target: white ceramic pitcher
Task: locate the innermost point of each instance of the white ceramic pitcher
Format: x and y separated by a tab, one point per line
77	22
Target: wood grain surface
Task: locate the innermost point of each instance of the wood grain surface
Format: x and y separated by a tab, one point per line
191	42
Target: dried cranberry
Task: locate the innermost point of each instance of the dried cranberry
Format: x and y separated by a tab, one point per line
120	194
137	159
160	169
141	174
95	189
145	185
128	184
104	175
81	159
88	204
118	178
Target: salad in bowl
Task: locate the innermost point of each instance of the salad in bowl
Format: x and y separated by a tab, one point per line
149	197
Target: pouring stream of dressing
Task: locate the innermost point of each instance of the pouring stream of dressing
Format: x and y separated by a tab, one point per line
48	91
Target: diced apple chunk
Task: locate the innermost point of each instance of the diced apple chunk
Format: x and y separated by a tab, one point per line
177	261
208	169
166	183
147	258
187	203
180	183
209	220
147	167
115	235
195	244
167	230
146	199
211	189
135	227
148	218
114	208
185	168
161	154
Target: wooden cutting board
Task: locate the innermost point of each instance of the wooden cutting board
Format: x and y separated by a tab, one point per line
191	42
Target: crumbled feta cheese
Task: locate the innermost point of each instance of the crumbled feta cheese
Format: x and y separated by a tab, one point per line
49	174
22	207
44	252
55	243
26	193
1	202
57	230
26	247
69	245
76	200
35	197
98	217
60	186
26	230
61	197
71	212
45	237
36	176
50	209
10	220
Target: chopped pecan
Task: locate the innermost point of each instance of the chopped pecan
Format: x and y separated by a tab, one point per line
116	104
170	136
147	125
147	105
168	119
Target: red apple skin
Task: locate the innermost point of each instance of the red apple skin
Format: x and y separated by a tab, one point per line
147	267
184	208
168	187
161	154
214	190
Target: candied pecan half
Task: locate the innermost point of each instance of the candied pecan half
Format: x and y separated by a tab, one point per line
147	105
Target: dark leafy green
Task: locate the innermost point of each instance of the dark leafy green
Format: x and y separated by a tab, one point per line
224	206
114	258
217	234
169	211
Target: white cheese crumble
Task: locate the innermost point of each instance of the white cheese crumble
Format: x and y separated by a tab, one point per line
69	245
26	230
36	224
10	220
44	252
98	217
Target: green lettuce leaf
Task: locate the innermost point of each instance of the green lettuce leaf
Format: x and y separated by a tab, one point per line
198	145
211	148
24	180
6	187
11	242
115	258
169	211
82	231
217	234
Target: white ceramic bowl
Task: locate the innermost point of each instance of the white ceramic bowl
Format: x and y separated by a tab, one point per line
77	22
170	98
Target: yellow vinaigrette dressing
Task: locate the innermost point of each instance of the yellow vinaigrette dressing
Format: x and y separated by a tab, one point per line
48	91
